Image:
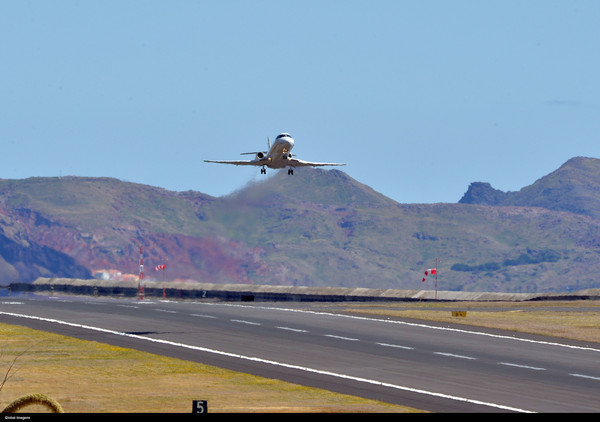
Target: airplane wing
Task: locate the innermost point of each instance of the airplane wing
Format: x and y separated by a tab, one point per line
261	162
294	162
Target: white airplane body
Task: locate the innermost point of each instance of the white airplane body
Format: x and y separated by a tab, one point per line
279	156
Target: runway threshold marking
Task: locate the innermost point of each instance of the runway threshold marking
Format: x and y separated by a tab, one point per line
271	362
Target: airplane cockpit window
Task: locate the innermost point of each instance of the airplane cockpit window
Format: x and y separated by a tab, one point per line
283	135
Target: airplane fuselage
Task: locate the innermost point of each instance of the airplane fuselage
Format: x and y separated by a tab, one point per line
280	152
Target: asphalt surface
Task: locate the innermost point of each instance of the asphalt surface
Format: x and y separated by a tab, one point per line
429	367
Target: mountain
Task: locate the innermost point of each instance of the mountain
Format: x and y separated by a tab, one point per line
30	260
483	194
101	223
316	228
574	187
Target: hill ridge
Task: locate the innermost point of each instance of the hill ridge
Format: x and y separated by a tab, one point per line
573	187
316	228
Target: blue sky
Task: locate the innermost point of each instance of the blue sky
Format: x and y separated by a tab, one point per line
420	98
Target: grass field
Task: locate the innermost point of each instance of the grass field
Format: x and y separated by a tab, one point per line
91	377
576	320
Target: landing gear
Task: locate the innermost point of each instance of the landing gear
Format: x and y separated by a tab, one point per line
290	171
263	171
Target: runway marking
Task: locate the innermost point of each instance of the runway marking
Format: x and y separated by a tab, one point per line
452	355
241	321
204	316
585	376
129	306
165	311
521	366
274	363
341	338
411	324
297	330
397	346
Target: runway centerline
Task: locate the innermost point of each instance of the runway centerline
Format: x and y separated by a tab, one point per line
271	362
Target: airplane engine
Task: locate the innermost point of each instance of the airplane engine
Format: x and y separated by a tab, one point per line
259	155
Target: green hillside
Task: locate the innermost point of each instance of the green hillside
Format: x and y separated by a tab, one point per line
371	241
574	187
95	203
315	228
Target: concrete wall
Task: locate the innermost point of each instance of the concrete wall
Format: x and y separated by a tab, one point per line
245	292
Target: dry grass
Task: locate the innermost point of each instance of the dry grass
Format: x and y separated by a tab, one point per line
578	320
91	377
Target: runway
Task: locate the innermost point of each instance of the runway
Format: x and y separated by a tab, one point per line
429	367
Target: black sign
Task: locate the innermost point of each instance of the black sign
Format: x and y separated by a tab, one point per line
200	406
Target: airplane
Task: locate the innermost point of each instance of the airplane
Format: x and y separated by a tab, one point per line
279	156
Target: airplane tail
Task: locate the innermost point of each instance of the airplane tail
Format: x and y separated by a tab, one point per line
259	152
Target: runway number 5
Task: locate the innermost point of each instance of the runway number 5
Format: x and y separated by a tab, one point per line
200	406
